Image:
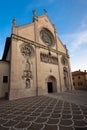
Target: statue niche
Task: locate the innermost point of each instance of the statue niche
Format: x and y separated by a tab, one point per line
27	74
27	52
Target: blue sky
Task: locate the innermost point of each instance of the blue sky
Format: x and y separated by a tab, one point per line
69	17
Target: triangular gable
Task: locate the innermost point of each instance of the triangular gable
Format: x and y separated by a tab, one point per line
47	18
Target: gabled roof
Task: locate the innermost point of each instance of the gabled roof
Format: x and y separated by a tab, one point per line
45	15
6	49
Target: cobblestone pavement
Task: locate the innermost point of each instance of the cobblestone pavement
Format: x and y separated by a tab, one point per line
43	113
76	96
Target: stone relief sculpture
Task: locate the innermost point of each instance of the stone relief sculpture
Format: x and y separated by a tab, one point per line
48	59
28	52
64	60
65	71
27	74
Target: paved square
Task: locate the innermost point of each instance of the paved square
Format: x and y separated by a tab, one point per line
50	112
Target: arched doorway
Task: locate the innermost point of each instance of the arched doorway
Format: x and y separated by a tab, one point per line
51	84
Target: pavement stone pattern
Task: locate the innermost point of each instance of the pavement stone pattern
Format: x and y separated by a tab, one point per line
42	113
74	96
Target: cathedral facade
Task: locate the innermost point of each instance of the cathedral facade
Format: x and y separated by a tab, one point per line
35	61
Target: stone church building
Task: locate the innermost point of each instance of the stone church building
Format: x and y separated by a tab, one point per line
34	61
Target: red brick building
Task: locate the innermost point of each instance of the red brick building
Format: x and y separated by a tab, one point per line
79	79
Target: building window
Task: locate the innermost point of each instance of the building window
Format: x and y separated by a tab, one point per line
5	79
81	83
73	84
78	77
78	84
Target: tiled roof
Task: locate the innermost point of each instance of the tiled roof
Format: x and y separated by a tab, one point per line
79	73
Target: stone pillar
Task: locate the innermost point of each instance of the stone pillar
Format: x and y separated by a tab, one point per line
70	75
35	20
13	69
59	75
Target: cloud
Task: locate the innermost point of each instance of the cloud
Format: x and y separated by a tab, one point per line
77	45
83	24
76	39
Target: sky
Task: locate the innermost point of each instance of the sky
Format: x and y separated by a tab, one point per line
68	16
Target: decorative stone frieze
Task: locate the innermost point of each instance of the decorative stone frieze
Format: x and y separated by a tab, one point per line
48	58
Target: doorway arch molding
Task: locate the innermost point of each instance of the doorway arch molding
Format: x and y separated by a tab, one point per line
51	84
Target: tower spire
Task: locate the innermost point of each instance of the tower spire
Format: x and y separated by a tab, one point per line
34	13
14	22
45	11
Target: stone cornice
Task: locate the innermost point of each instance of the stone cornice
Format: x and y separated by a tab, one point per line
16	37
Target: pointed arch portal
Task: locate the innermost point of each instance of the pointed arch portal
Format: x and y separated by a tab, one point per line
51	84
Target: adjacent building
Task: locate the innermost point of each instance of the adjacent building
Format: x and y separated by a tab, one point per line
35	61
80	79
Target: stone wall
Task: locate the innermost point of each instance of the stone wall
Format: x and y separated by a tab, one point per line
4	81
